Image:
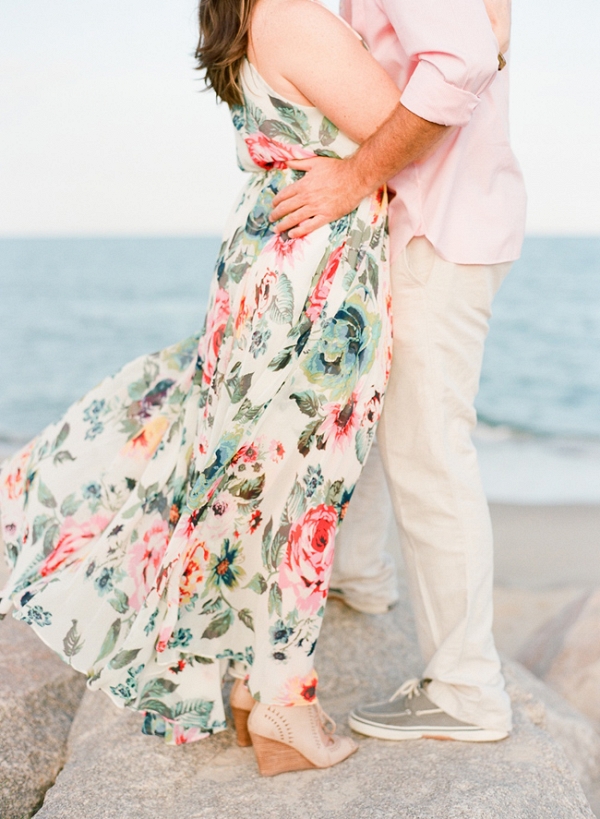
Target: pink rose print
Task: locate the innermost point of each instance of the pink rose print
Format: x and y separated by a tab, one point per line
210	343
306	567
268	154
321	291
286	249
341	422
72	537
146	557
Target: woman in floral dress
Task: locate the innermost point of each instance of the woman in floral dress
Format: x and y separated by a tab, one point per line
181	517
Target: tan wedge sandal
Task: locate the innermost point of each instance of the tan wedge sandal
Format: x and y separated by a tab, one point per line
295	738
241	702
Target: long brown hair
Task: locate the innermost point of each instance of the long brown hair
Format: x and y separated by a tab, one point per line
223	44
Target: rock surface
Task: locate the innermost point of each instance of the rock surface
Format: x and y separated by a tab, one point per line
570	728
114	771
565	652
39	696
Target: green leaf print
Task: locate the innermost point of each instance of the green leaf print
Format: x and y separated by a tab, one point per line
294	116
282	306
373	272
333	494
50	538
203	660
279	541
238	386
327	153
72	641
123	658
61	437
45	496
211	606
266	546
157	688
254	116
110	641
362	444
275	599
219	626
62	456
121	601
307	401
201	708
245	615
249	489
282	359
247	412
307	436
70	505
258	583
275	129
39	524
295	505
327	132
157	707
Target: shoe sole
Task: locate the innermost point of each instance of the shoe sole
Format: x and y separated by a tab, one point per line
397	734
336	595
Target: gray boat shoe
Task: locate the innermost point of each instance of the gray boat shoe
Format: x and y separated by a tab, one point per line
410	714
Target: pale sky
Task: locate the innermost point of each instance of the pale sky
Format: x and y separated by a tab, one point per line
103	130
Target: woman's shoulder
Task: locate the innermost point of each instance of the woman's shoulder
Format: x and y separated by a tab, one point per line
287	22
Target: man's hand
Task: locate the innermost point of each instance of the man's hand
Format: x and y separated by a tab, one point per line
330	189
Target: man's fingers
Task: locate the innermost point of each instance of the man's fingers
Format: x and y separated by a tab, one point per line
301	164
308	226
293	219
289	192
287	207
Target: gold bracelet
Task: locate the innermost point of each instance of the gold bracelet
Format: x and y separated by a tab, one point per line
501	61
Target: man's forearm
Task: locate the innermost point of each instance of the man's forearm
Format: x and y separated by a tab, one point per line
333	187
403	138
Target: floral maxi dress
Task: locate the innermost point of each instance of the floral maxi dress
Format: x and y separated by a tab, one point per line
182	515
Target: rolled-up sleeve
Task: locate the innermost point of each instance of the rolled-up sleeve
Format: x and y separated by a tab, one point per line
454	52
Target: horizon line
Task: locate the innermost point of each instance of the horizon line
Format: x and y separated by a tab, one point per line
533	234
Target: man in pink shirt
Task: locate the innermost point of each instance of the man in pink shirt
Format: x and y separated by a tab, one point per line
456	225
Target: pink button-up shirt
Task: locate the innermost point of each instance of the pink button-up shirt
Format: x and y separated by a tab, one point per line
468	196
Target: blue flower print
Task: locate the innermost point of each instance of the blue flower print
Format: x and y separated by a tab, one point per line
36	616
180	639
280	633
103	582
313	480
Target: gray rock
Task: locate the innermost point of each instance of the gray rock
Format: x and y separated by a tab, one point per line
570	728
114	772
565	652
39	696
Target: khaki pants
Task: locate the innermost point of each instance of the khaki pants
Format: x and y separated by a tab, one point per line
441	313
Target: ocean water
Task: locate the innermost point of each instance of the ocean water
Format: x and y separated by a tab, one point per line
74	310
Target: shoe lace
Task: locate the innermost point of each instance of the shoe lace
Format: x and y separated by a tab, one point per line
408	689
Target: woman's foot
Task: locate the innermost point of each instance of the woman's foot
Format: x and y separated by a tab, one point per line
295	738
241	702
